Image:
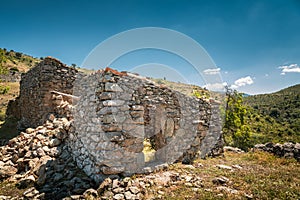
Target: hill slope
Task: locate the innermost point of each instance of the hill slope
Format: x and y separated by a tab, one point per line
11	60
282	107
12	64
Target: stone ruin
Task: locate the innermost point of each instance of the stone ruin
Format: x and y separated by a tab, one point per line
286	150
11	76
109	116
34	103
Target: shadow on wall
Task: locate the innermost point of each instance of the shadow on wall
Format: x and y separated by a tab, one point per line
115	112
34	104
8	130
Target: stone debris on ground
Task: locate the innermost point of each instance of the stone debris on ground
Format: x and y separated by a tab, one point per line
286	150
114	112
51	162
232	149
55	175
227	189
37	159
220	180
225	167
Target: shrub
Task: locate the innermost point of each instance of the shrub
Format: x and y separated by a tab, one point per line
4	89
18	55
3	70
14	69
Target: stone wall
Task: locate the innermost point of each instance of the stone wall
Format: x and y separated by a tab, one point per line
286	150
34	104
12	76
213	142
117	112
112	114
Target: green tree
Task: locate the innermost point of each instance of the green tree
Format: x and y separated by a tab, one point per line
236	130
201	93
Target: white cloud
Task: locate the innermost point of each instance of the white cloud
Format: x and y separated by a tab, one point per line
242	82
292	68
212	71
215	86
234	87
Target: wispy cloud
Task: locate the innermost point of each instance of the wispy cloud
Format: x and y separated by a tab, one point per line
292	68
242	82
212	71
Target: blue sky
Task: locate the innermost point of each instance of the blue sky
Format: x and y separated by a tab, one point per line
255	44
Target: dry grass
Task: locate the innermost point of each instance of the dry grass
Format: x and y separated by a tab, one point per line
262	176
180	87
86	71
9	188
12	93
189	89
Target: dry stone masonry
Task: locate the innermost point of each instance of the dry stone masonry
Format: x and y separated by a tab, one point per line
11	76
286	150
109	116
116	113
34	104
39	161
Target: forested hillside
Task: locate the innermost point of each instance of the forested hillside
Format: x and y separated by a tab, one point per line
280	112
